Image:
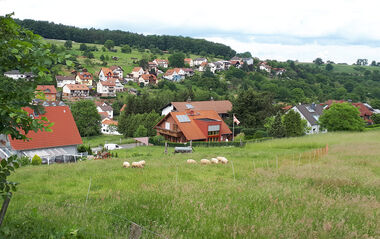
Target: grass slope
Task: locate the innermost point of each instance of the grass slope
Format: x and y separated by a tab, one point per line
336	196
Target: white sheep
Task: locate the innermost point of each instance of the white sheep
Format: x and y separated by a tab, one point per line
191	161
205	161
222	160
142	162
137	165
214	161
126	164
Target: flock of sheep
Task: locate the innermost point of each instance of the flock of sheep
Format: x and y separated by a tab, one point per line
216	160
141	164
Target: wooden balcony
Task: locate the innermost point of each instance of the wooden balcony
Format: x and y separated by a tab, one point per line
173	133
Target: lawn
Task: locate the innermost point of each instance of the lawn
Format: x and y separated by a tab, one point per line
100	140
266	191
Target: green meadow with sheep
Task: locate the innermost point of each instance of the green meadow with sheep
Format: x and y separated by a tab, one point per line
283	188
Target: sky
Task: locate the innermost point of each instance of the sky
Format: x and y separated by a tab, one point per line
337	30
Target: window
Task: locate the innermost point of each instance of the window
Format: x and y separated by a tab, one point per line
167	125
213	129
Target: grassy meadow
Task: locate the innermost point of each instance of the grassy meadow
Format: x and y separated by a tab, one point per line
100	140
265	191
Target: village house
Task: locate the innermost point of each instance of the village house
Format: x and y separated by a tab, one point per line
176	74
193	125
237	64
188	71
60	142
152	66
148	79
106	88
64	80
248	61
15	74
84	78
264	67
49	91
278	71
222	107
199	61
137	72
310	113
117	71
161	63
71	91
189	61
104	107
365	112
109	126
105	74
203	66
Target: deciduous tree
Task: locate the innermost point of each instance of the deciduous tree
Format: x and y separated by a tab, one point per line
342	117
86	117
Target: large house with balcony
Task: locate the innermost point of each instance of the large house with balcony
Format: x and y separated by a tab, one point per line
310	113
84	78
75	91
191	125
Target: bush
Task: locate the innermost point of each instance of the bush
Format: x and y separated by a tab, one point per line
157	140
239	137
260	134
36	160
24	161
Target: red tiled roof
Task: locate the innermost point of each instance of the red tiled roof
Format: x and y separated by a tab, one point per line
363	109
64	131
77	87
188	59
191	129
106	71
136	69
123	108
148	76
220	106
85	75
109	82
204	63
103	115
47	89
169	72
112	68
286	108
109	122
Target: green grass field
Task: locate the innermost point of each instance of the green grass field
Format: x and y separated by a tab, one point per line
265	191
349	69
95	141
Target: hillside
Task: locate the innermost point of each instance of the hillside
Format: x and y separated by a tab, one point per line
84	35
266	191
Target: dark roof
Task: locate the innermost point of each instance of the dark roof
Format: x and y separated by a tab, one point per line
61	78
309	111
12	72
105	107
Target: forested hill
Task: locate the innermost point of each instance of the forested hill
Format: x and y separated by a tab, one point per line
164	42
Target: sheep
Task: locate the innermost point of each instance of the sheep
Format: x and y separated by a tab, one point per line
142	163
205	161
222	160
126	165
137	165
191	161
214	161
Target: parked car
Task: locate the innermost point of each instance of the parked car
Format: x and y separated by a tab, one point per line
112	146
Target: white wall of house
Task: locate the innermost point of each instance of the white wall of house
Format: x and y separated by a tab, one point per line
110	113
167	110
66	90
62	83
314	129
118	73
137	74
102	76
15	76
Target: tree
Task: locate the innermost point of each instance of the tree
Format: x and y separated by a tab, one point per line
109	44
141	131
362	62
318	61
126	49
375	118
373	63
102	58
144	64
177	59
276	127
342	117
86	117
83	47
22	50
68	44
293	124
329	67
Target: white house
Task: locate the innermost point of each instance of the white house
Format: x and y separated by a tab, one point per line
117	71
248	61
15	74
137	72
77	90
103	107
106	88
264	67
105	74
199	61
189	62
176	74
310	113
148	79
64	80
161	63
109	127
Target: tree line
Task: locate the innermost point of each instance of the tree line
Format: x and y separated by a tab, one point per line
98	36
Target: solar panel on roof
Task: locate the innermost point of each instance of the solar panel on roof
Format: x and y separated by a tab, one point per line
183	118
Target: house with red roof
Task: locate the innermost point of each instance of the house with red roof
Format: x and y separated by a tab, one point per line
176	74
192	125
61	142
105	74
137	72
117	71
64	80
265	67
161	63
84	78
49	91
189	62
109	126
365	112
148	79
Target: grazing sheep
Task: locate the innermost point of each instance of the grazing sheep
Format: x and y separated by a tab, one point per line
205	161
191	161
126	165
142	162
222	160
137	165
214	161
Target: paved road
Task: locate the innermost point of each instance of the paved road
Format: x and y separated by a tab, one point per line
123	146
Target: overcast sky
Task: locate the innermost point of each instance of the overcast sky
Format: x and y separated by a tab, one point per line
338	30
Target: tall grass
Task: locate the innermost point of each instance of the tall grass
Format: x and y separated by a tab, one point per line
336	196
